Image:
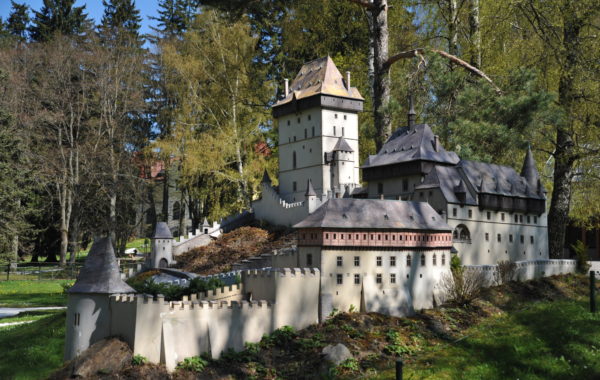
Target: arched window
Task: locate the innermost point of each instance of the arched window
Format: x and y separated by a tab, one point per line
294	160
176	211
461	234
422	259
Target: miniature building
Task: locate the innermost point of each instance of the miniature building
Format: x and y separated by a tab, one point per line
376	255
161	255
495	213
88	310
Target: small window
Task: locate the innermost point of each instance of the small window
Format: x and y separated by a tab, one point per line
380	188
489	215
522	239
531	239
288	123
326	236
520	218
499	238
334	130
443	259
408	261
405	184
378	260
305	133
502	216
422	259
339	279
379	237
335	236
454	212
378	278
308	117
535	219
364	236
516	218
335	115
470	213
392	278
356	261
510	238
372	237
434	259
294	138
342	131
392	261
294	186
345	117
339	261
356	279
487	236
294	158
309	261
298	120
528	219
313	131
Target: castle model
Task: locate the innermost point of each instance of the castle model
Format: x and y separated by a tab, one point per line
382	247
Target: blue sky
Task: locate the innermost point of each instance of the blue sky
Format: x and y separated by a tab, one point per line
94	9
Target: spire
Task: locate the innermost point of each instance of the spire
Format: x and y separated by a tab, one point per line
310	190
162	231
411	112
266	178
205	223
342	145
100	273
529	171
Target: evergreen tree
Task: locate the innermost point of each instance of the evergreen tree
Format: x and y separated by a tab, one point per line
121	23
58	16
175	17
18	20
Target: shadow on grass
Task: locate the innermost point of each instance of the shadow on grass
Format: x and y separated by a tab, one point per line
34	350
33	300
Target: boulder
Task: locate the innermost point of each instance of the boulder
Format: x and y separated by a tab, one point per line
104	357
336	354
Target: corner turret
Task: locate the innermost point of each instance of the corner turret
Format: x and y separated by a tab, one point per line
531	174
161	255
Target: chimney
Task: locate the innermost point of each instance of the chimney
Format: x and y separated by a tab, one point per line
436	143
287	86
348	81
411	113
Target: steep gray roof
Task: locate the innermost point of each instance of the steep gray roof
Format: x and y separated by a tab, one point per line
375	214
100	273
162	231
449	180
531	174
342	145
406	145
310	190
498	179
266	178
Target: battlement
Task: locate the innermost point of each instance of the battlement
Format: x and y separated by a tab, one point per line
283	272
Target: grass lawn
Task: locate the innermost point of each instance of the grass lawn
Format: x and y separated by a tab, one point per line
32	293
34	350
546	340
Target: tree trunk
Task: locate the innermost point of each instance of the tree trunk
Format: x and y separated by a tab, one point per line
452	27
475	33
381	78
165	195
564	154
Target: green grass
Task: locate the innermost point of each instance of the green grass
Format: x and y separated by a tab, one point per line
34	350
32	293
30	316
547	340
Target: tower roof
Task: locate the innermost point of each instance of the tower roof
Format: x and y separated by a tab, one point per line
310	190
342	145
529	170
266	178
100	273
316	77
162	231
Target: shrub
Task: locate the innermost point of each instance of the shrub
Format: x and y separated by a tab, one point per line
138	360
462	286
455	263
581	251
66	286
346	367
505	272
195	364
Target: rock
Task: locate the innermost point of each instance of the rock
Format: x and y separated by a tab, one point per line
335	354
104	357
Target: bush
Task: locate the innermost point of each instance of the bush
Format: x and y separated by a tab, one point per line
66	286
581	251
505	272
462	286
195	364
455	263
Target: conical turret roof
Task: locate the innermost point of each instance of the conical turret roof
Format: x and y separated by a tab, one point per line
529	170
342	145
100	273
162	231
310	190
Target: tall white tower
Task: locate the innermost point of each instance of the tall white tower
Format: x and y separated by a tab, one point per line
318	132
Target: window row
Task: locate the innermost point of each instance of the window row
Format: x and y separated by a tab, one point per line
379	260
339	278
510	238
518	218
387	237
309	118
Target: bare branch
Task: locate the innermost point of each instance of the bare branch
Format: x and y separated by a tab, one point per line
469	67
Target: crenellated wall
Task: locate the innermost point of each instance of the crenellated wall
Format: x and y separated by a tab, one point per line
275	210
528	270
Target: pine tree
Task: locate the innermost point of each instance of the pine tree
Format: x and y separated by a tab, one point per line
175	17
58	16
121	23
18	20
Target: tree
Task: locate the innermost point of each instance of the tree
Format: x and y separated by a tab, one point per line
18	20
120	23
58	16
175	17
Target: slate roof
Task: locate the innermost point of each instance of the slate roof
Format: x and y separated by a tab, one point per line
375	214
266	178
449	180
499	180
342	145
310	190
100	273
317	77
162	231
411	144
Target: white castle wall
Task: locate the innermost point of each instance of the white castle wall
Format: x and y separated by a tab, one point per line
528	270
275	210
168	332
